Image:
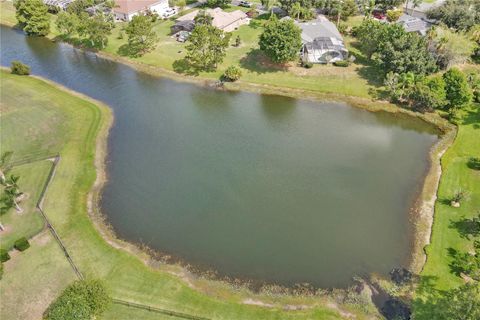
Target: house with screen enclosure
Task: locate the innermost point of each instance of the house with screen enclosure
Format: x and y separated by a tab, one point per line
322	42
414	24
62	4
126	9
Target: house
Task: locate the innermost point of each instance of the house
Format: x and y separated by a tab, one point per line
186	25
62	4
322	42
420	11
414	24
226	21
127	9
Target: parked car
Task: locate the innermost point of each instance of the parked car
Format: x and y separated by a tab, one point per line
170	12
182	36
245	4
380	15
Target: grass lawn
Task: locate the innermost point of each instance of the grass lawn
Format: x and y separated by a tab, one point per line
456	176
127	277
28	223
33	278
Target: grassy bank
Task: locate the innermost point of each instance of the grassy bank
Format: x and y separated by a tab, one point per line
71	129
437	275
361	76
28	222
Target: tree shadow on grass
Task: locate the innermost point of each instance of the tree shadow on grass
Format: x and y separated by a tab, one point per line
256	61
182	66
445	201
126	51
426	304
366	68
472	116
467	228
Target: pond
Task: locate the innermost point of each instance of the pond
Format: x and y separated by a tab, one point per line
260	187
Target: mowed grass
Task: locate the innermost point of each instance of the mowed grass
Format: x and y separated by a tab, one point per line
126	276
33	278
456	176
256	69
27	223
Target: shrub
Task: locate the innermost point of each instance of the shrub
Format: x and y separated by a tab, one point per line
393	15
474	163
307	65
476	96
342	28
233	73
341	63
4	256
22	244
20	68
82	300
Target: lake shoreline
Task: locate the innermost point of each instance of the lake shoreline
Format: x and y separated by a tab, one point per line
423	205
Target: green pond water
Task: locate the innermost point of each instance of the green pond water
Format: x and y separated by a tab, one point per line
259	187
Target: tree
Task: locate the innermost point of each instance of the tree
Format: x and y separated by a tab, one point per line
97	29
458	93
67	23
141	37
415	4
20	68
79	6
5	164
394	49
33	17
452	47
206	47
203	17
462	303
82	300
218	3
288	4
268	5
393	15
457	14
366	7
349	8
281	40
388	4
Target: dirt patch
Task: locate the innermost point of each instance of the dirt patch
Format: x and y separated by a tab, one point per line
42	238
257	303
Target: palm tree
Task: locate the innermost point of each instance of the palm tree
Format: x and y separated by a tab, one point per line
268	5
203	18
13	193
5	164
296	10
415	4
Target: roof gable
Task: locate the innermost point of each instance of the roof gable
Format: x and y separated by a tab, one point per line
319	28
132	6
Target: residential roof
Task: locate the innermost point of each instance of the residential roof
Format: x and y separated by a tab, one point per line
220	18
319	28
325	43
424	6
413	24
132	6
58	3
